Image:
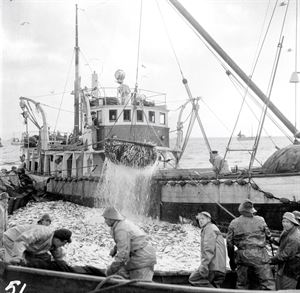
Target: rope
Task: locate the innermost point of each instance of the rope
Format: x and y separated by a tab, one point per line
123	284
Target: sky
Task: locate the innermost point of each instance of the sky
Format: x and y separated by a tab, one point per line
37	58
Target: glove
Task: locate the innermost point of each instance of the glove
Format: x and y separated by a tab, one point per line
17	261
232	264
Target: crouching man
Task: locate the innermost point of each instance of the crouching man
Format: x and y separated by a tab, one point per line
36	246
134	257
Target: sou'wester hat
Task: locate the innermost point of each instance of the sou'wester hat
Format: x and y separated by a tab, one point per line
247	206
113	214
206	214
44	217
291	217
297	215
63	234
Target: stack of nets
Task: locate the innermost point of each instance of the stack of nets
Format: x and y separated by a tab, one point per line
131	154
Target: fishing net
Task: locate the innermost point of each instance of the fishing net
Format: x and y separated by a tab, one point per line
132	154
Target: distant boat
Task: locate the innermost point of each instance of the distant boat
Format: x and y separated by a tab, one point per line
16	141
242	136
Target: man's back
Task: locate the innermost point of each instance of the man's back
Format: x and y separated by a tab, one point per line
246	232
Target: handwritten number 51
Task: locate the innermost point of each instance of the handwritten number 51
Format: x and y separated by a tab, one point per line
12	286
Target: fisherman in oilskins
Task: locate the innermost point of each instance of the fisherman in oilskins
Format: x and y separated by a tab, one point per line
287	258
249	234
134	257
211	272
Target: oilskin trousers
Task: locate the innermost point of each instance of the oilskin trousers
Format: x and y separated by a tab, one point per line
247	275
213	280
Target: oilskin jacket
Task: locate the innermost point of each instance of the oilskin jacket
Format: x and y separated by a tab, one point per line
288	254
213	250
220	166
249	235
133	248
34	239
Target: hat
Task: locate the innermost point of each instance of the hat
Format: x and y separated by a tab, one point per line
63	234
206	214
45	217
214	152
297	215
247	206
113	214
291	217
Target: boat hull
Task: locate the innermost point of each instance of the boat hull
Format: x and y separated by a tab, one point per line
37	280
181	193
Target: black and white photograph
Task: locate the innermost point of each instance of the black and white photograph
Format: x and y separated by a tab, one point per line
149	146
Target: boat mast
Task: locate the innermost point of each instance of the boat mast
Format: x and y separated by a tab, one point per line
76	85
235	67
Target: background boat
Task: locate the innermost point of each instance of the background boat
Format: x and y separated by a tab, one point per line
242	136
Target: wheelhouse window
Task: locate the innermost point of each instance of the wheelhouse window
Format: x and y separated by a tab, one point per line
162	118
112	115
127	115
139	116
151	116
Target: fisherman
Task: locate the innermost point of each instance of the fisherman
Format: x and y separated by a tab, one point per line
44	220
249	234
220	166
25	181
211	272
13	177
288	255
134	257
94	119
58	166
36	246
23	163
297	216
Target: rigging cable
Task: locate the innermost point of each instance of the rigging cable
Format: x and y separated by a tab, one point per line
252	72
238	85
224	65
134	101
64	91
195	113
296	61
272	79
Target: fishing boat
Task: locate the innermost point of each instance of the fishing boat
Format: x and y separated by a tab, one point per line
36	280
129	127
16	141
242	136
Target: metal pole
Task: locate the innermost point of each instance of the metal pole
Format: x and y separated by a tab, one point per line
234	66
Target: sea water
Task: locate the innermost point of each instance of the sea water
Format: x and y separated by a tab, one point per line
196	154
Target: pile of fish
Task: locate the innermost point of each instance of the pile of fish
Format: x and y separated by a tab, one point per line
177	245
130	154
